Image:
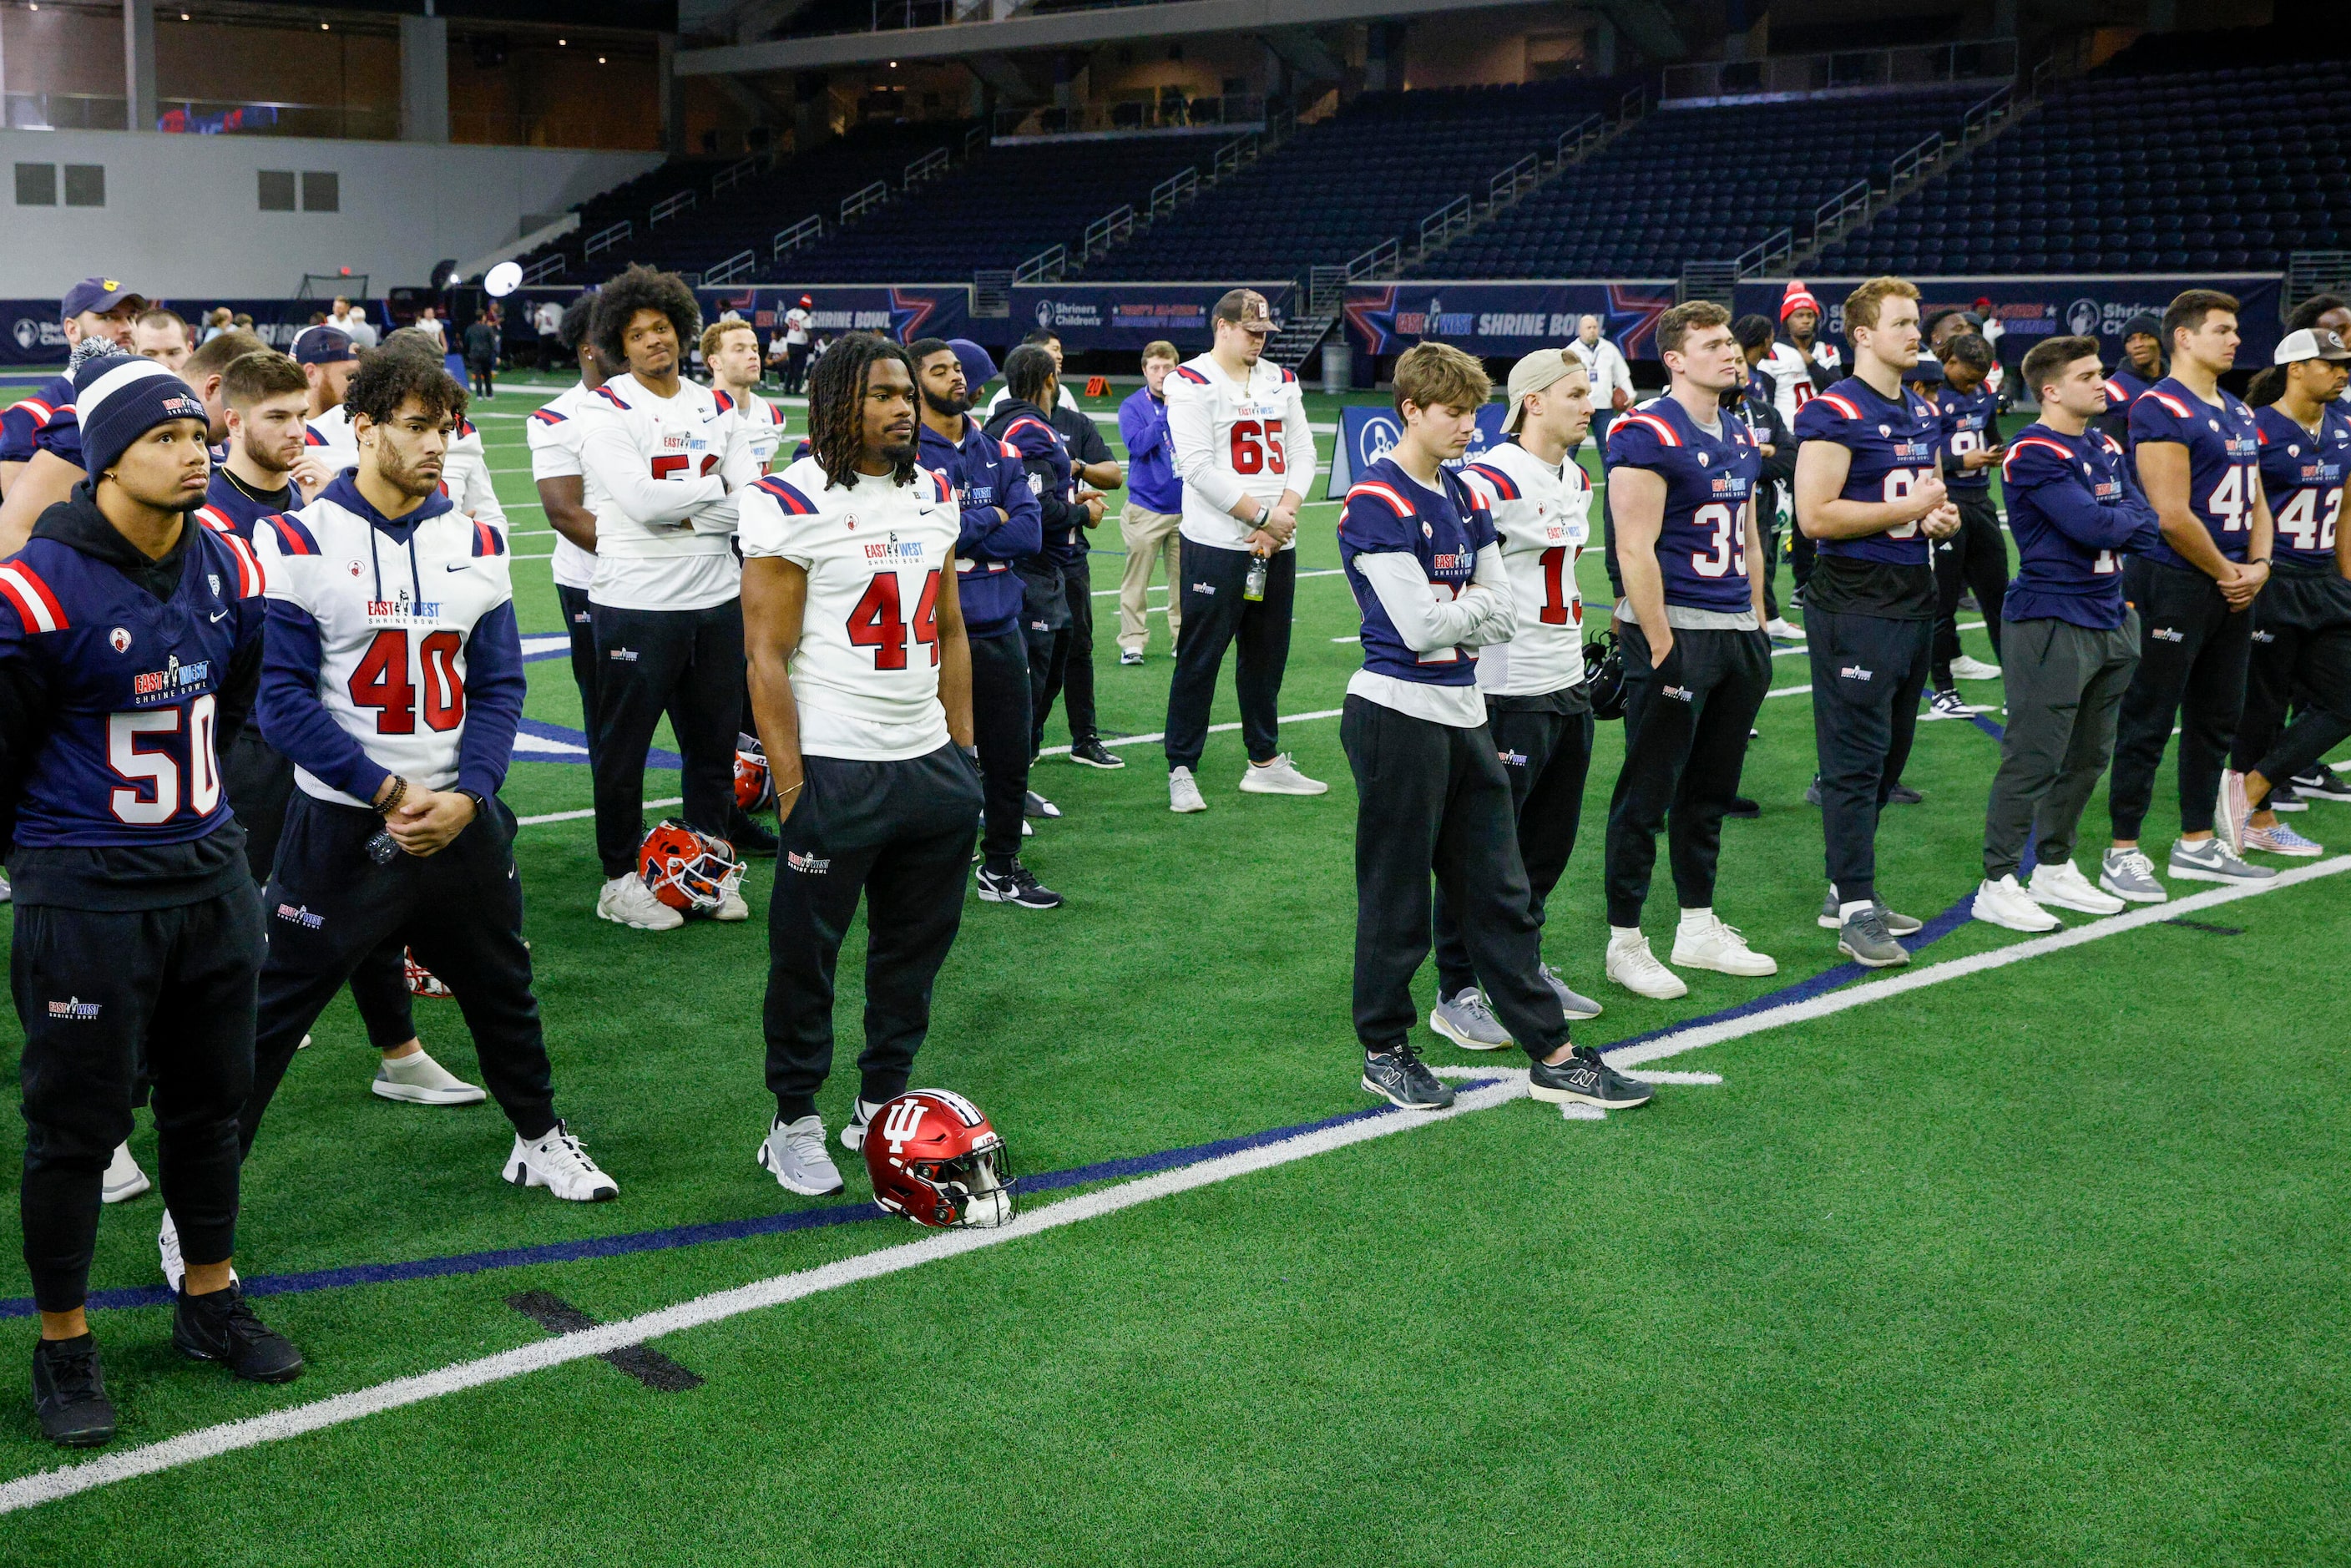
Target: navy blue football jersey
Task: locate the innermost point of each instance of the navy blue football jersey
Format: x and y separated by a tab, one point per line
2224	473
2074	512
1971	424
227	509
22	421
1895	442
1387	510
1710	478
1039	441
134	686
2302	474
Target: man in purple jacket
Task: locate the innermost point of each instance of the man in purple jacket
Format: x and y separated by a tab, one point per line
1155	504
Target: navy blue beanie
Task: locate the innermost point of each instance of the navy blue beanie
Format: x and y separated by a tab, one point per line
117	399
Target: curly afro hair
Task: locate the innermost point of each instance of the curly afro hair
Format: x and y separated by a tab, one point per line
394	374
642	288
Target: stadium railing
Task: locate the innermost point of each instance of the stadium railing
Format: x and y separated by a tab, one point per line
742	264
669	206
1107	230
805	232
1175	190
604	239
857	202
1832	70
1047	265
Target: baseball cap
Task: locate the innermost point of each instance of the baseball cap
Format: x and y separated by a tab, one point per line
1246	308
1531	375
99	294
2310	343
323	345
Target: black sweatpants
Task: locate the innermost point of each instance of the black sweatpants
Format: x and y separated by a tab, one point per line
329	904
2302	648
2191	668
105	997
1431	799
1000	731
1685	741
796	363
1216	617
581	622
1975	558
260	782
1545	757
899	832
687	664
1868	673
1061	661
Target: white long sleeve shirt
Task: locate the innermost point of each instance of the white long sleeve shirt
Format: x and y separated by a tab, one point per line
1233	439
1603	362
1428	622
1542	511
554	435
660	474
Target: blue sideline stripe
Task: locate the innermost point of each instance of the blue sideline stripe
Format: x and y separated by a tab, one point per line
698	1234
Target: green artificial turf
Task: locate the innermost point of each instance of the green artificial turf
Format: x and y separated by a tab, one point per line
2039	1266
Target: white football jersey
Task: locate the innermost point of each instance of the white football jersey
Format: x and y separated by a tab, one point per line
465	475
329	436
1791	376
1232	440
660	472
763	424
554	435
395	623
1543	515
866	676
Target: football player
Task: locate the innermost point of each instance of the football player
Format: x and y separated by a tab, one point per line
2199	456
860	682
1870	492
1246	455
553	431
327	360
1533	685
2071	646
129	640
2140	368
394	679
1976	557
98	313
730	349
1697	663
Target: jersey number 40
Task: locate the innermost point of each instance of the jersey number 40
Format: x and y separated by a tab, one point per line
383	682
877	623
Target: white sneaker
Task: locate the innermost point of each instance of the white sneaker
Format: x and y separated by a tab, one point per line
1281	776
123	1180
2061	887
167	1251
852	1136
1183	791
1779	631
1130	656
7	893
1708	944
627	901
1951	705
1967	667
2004	902
419	1079
2231	810
1631	964
731	905
559	1164
793	1151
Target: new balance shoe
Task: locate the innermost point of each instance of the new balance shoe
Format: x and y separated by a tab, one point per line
2128	873
1706	943
1951	705
1018	885
2058	885
2210	859
69	1393
124	1179
1967	667
1468	1022
1036	805
1574	1004
793	1153
559	1164
221	1325
2280	840
2230	811
2286	798
1631	964
1399	1077
627	901
2004	902
1895	925
1183	791
1864	938
1094	754
418	1080
1130	656
1584	1079
2322	783
1281	776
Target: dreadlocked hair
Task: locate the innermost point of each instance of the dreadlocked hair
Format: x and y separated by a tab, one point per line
837	405
642	288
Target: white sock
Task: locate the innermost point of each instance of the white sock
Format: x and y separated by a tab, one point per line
1851	907
865	1109
1628	934
1698	917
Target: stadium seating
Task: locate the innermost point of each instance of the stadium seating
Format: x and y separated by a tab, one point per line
2185	171
1702	184
630	200
1367	174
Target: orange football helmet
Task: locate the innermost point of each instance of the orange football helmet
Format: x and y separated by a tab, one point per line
755	786
692	873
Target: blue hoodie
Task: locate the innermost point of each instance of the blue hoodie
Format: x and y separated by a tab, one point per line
987	474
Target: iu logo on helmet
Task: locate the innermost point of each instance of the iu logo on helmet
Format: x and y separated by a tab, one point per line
903	1120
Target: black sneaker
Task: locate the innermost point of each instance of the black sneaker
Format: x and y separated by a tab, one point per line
1036	805
1094	754
749	837
1903	795
1813	791
1741	806
1398	1077
69	1393
220	1326
1018	885
2322	783
1584	1079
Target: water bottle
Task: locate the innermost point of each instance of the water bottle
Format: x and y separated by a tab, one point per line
1253	585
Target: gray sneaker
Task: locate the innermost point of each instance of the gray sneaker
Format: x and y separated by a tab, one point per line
2209	859
1574	1004
1864	939
1183	791
1468	1022
2128	873
1895	925
794	1154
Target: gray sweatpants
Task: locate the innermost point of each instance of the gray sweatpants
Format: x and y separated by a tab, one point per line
2065	685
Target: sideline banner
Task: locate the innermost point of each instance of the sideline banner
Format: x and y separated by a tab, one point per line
32	334
1130	316
2031	308
1503	320
903	312
1368	432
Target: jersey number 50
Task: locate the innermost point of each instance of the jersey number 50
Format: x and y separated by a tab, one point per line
877	623
160	772
1257	447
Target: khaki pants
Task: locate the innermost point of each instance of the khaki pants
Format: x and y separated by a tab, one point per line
1150	537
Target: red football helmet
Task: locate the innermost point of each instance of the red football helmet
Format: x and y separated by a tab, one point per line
936	1159
422	981
692	873
755	787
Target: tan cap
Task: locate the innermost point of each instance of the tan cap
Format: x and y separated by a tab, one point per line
2310	343
1531	375
1246	308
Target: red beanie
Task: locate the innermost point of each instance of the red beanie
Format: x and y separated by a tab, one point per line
1798	298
